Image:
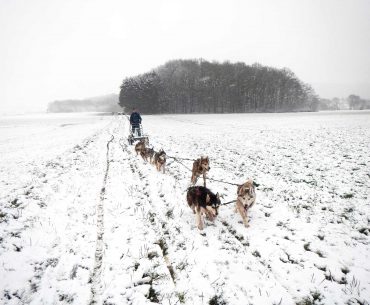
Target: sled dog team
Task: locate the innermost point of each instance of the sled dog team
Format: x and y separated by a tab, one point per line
200	199
151	156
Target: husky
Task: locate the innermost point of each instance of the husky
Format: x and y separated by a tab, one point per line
200	167
160	160
140	146
147	153
202	201
245	200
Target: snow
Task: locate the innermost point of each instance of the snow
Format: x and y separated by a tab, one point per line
86	223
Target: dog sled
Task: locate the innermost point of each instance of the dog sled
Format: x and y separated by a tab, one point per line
137	134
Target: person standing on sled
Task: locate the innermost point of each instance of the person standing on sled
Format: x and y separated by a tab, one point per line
135	121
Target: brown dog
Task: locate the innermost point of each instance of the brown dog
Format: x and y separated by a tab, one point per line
160	160
140	146
245	200
200	167
202	201
147	153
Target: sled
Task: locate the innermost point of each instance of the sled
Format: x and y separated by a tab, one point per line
137	134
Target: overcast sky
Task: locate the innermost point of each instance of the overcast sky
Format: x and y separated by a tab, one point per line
59	49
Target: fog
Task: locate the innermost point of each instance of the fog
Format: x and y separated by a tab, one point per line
54	50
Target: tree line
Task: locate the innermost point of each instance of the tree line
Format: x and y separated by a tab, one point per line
352	102
200	86
105	103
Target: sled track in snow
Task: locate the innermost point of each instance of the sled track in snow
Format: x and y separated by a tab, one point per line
155	224
96	276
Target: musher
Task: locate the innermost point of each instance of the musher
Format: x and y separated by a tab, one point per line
135	121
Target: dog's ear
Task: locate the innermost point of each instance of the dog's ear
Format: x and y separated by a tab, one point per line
239	189
208	199
218	196
255	184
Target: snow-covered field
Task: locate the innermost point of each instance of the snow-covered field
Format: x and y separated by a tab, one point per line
83	220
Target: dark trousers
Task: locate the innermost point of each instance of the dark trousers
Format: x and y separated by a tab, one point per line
136	129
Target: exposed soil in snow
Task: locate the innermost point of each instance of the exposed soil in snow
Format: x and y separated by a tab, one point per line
84	220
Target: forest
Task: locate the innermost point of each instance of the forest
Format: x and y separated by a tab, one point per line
200	86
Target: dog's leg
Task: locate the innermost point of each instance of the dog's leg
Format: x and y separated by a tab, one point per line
204	178
246	223
142	153
206	212
193	208
164	169
199	219
243	213
192	178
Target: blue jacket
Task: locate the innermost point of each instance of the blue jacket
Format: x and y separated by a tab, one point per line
135	118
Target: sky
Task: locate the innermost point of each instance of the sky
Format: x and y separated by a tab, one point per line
66	49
